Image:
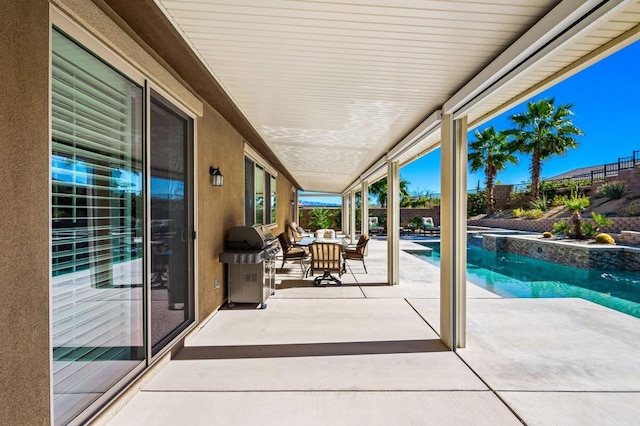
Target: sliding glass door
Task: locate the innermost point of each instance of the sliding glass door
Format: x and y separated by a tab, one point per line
97	270
171	223
121	227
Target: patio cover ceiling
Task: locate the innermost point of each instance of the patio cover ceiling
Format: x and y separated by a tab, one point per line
333	88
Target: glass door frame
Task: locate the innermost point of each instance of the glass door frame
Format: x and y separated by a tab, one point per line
167	343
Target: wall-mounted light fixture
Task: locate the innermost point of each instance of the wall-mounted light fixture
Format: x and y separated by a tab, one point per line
216	177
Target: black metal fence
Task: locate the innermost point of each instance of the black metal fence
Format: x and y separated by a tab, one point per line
598	175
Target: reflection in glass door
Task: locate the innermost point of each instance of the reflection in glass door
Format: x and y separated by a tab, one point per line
96	227
171	223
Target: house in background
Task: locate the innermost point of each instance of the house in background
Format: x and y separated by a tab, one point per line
114	115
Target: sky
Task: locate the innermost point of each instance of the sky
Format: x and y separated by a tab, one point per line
606	99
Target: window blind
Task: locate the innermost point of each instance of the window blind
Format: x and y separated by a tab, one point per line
97	268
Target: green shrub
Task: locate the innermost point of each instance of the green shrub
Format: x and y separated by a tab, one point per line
547	235
605	239
561	227
613	190
533	214
578	203
322	218
516	199
633	209
519	212
549	189
588	230
476	203
559	200
416	222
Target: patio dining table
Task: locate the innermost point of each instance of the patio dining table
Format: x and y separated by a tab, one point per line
307	241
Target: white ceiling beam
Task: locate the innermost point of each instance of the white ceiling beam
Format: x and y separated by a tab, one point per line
423	130
567	20
373	173
378	169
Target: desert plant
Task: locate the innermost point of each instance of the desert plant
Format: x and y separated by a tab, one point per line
588	230
540	204
613	190
547	235
605	239
560	227
577	203
519	212
601	220
533	214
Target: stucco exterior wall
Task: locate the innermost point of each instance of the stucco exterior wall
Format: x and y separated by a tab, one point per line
219	208
24	207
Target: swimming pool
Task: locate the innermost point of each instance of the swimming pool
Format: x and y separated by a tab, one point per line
511	275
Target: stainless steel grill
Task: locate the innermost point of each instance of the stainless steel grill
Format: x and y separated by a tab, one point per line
250	253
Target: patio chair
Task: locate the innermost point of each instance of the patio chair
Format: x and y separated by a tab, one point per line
291	252
298	232
325	233
357	252
326	257
374	227
429	227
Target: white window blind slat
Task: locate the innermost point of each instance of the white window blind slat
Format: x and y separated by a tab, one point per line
97	204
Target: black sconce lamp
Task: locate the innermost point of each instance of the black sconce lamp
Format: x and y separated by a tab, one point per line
216	177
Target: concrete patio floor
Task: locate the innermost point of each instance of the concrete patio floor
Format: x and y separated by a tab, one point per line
365	353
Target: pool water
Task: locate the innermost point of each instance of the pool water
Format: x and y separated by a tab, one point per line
511	275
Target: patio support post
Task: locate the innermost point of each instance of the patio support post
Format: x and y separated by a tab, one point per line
296	207
364	213
393	222
352	216
345	215
453	245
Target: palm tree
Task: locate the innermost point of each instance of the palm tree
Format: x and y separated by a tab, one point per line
490	151
379	190
543	130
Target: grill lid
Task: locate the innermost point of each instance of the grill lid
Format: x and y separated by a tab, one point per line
257	237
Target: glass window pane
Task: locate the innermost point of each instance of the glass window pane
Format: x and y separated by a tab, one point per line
273	199
259	195
97	227
267	198
249	196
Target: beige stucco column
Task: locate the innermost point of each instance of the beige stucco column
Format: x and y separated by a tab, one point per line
25	350
364	212
393	222
453	223
344	222
352	216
